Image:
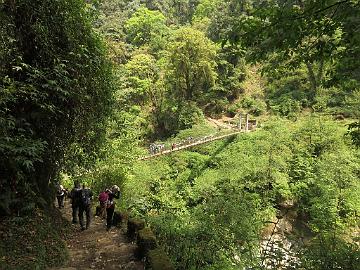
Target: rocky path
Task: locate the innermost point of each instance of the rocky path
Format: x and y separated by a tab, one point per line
97	248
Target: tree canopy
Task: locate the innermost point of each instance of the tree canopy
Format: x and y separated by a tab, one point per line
191	63
144	26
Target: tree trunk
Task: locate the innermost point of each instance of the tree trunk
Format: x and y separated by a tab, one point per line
188	87
312	77
320	73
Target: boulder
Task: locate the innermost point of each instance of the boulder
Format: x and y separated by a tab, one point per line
134	225
157	259
146	241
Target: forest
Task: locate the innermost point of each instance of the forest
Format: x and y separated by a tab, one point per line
87	86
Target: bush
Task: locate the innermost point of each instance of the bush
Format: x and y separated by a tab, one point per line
285	106
56	92
254	106
176	117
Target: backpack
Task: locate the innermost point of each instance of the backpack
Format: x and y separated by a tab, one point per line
85	197
103	197
75	195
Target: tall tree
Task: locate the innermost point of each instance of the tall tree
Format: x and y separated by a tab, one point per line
142	75
145	26
310	33
192	64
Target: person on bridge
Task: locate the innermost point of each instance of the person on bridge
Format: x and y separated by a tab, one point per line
110	208
152	149
75	201
85	206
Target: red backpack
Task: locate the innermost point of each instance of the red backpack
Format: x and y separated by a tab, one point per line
103	197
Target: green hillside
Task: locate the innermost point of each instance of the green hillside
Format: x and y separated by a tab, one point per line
89	88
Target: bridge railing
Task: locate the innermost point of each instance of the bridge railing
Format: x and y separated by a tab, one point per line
164	149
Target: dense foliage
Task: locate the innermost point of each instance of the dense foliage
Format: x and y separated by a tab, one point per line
173	66
55	94
211	206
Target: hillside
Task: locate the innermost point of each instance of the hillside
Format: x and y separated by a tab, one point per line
233	189
141	99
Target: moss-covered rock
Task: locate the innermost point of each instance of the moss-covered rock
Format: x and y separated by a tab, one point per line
157	259
124	216
134	225
146	241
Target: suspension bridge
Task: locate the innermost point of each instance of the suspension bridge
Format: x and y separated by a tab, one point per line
249	125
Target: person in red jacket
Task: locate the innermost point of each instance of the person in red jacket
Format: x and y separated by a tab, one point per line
103	198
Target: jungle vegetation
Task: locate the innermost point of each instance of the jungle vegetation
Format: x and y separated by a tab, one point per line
86	86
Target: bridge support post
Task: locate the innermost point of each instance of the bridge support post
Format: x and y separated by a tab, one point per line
240	121
247	123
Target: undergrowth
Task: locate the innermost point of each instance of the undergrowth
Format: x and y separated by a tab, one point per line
33	241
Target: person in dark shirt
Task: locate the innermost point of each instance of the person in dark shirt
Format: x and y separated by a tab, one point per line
85	206
75	201
114	193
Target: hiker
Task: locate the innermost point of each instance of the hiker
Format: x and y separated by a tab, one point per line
85	206
161	147
75	195
60	194
110	207
103	198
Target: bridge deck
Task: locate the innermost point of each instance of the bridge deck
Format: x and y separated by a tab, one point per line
199	142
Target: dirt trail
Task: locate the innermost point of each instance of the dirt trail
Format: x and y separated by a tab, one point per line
222	123
97	248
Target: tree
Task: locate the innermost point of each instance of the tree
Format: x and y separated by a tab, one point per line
191	64
310	33
145	26
56	94
142	76
206	8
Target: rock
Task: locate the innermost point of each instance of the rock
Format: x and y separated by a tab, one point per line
157	259
146	241
133	226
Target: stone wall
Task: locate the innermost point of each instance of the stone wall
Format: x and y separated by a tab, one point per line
148	247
